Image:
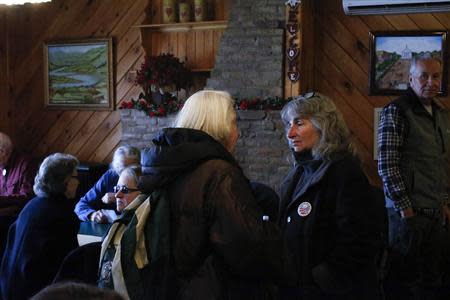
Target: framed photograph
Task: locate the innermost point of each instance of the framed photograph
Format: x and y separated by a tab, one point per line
391	53
78	75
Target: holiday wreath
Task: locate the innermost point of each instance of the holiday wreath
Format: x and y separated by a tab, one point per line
159	76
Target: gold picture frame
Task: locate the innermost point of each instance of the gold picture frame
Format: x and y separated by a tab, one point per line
78	74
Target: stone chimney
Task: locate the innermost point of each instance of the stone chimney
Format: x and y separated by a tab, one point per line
249	62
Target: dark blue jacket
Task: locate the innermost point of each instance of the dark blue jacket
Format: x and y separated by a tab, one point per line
44	233
92	201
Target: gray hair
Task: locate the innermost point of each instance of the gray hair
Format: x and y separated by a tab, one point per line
134	172
424	57
124	156
53	172
326	119
5	142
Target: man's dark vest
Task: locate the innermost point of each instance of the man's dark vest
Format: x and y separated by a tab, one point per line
423	162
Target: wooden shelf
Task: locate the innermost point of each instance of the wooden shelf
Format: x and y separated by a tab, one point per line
195	43
184	27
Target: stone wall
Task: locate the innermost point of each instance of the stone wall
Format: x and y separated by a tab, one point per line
250	57
249	63
261	151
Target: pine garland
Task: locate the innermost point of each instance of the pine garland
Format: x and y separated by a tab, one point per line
172	104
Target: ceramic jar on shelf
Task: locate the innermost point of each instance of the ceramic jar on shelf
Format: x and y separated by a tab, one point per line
199	10
184	10
168	10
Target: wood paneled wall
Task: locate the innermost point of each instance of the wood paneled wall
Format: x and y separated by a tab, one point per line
341	64
339	48
197	48
90	135
5	104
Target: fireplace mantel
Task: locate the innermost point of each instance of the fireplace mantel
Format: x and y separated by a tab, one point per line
262	149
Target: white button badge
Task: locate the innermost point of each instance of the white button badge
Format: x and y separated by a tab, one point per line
304	209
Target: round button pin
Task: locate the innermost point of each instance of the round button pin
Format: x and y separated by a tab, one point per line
304	209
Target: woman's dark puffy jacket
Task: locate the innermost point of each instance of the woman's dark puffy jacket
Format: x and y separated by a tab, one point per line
222	248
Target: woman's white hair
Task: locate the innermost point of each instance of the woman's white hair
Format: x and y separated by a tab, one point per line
208	111
53	173
326	119
421	58
124	156
134	172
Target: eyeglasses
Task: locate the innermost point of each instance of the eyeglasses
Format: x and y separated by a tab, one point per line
292	113
124	189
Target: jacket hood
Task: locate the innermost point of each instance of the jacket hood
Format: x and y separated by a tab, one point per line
176	151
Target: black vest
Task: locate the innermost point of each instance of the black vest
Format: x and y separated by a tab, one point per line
423	161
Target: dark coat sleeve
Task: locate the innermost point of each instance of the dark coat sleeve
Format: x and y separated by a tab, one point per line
357	239
44	233
267	199
250	246
39	267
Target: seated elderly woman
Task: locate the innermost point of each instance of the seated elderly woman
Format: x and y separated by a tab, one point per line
45	231
217	241
127	189
330	219
99	202
81	265
128	199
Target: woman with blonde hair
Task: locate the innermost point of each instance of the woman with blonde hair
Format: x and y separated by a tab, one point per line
221	244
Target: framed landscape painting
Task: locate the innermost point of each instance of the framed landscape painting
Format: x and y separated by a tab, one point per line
78	75
391	53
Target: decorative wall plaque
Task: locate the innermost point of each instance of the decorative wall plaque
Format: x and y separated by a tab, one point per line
292	51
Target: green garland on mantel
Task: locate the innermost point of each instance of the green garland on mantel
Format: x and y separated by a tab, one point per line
171	104
269	103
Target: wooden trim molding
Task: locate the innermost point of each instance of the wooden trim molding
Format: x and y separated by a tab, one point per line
184	27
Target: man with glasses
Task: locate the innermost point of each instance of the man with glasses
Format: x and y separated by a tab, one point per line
17	173
412	161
